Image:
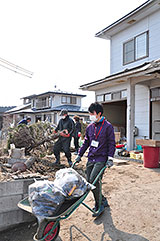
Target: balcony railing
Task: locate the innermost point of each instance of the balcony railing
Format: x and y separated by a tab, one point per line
42	104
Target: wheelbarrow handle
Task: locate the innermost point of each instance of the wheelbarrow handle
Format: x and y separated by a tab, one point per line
74	163
99	174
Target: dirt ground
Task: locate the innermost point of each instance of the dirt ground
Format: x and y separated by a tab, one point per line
133	193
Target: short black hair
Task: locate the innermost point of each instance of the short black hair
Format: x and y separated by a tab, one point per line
97	107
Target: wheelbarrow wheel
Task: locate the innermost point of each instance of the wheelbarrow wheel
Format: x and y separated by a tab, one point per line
45	227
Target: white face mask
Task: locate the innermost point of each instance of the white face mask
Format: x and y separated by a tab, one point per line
63	117
93	118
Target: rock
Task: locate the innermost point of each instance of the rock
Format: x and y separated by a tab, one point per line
19	166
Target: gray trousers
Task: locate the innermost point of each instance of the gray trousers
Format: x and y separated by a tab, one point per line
92	170
63	144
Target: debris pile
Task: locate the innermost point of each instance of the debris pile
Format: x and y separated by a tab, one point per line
40	168
30	152
32	136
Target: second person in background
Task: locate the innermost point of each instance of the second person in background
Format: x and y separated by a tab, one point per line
77	133
66	124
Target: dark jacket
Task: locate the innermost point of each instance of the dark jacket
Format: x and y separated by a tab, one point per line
105	138
24	121
66	123
77	129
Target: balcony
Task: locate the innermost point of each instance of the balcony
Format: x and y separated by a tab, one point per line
42	105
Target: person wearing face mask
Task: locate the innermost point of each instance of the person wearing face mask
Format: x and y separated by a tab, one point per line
66	127
100	139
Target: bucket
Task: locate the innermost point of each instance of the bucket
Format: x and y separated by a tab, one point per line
151	156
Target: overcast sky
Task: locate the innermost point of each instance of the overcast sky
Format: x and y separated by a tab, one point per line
55	39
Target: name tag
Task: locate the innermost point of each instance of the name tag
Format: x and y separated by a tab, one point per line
94	143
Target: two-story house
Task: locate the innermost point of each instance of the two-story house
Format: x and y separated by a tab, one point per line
131	93
47	106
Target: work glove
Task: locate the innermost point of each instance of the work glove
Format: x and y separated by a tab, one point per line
78	158
64	134
109	163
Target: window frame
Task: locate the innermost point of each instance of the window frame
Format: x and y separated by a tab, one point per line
134	42
71	100
64	99
100	96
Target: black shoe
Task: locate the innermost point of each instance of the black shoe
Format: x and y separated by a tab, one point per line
105	202
101	210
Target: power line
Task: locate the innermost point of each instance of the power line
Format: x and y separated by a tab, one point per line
15	71
15	68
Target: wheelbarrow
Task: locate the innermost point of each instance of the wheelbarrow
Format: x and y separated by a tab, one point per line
48	229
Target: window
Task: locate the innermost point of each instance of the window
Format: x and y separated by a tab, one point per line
64	99
129	52
108	96
136	48
68	100
155	94
73	100
99	98
123	94
116	95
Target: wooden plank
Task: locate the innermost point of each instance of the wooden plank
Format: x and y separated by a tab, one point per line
148	142
118	162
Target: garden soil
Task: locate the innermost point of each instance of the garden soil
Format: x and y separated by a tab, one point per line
133	214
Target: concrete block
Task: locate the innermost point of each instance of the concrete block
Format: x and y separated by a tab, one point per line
10	218
9	203
17	153
11	188
10	194
14	160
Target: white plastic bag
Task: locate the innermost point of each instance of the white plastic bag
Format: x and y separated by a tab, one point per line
71	183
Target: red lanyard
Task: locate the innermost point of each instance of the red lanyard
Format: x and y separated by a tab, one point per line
97	134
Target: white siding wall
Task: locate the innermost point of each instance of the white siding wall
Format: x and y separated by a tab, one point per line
111	89
151	23
142	110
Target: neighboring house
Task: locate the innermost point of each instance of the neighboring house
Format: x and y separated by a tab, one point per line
131	93
47	106
3	109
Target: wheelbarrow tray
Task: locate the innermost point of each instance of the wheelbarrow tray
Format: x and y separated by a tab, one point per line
66	209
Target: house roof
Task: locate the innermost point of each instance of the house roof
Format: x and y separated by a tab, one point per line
70	108
18	108
53	93
5	108
121	77
132	17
